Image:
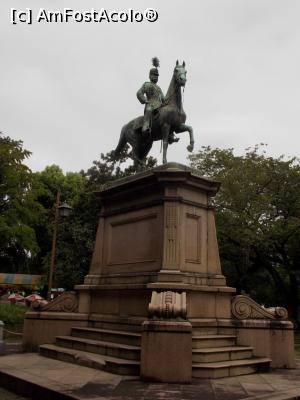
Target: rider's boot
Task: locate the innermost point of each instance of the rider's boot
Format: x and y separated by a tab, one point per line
146	130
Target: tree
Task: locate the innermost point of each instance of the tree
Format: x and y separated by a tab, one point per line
27	212
46	185
107	169
76	234
18	210
258	221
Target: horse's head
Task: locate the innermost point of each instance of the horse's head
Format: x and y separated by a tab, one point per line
180	74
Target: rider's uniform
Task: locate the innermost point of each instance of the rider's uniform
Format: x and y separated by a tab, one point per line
153	100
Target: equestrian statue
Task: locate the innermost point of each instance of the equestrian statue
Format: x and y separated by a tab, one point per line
163	116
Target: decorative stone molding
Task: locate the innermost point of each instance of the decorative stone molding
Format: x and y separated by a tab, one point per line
171	245
66	302
243	307
168	305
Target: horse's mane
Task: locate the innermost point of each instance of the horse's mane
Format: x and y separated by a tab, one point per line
173	90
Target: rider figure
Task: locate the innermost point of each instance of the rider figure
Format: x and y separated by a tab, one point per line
152	96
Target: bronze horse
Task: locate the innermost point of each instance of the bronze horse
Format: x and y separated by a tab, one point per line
169	118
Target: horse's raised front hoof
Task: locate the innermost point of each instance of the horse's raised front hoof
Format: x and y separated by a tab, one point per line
190	147
173	139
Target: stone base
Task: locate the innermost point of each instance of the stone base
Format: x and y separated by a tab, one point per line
157	233
166	351
133	300
273	339
43	327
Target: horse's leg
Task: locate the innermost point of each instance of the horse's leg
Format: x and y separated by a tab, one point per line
165	136
184	128
136	159
138	165
122	142
136	162
145	149
137	153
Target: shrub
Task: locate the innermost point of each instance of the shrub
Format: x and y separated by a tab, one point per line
12	313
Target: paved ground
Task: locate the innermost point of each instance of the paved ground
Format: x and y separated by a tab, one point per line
43	378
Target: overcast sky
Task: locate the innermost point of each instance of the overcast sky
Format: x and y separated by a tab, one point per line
68	88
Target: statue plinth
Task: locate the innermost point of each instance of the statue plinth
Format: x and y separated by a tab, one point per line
157	226
157	232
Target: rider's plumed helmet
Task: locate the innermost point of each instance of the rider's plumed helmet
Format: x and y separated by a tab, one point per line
155	63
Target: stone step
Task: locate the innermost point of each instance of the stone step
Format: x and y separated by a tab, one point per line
115	323
106	335
110	364
205	330
208	341
100	347
215	354
204	326
230	368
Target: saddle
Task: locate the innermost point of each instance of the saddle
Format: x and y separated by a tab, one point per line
138	123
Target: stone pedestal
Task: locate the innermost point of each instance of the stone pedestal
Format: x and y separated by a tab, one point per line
156	232
157	226
155	300
166	351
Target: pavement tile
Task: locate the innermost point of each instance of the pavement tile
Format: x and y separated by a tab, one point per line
12	360
231	380
84	383
159	386
78	376
254	378
91	389
163	394
54	375
225	391
128	389
257	388
198	392
281	383
196	384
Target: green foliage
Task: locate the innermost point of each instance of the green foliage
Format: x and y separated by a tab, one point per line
18	210
46	185
258	220
12	313
108	169
76	234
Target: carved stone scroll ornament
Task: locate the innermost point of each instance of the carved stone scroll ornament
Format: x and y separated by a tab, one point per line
243	307
66	302
168	305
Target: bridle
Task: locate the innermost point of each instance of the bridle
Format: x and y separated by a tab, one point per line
177	80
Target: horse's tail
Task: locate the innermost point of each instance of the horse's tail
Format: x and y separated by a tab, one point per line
122	142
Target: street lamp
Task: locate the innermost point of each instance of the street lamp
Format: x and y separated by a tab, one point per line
63	210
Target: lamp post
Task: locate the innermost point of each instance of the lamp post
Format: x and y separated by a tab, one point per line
63	210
